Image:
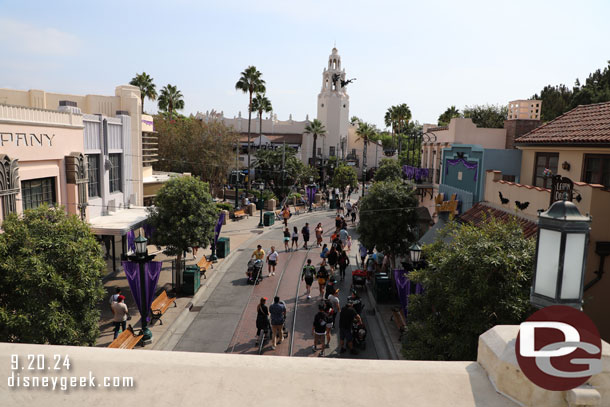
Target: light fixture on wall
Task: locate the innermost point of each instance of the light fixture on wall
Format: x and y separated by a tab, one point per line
566	166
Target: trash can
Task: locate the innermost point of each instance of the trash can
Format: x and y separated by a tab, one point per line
382	288
191	279
223	247
332	204
268	218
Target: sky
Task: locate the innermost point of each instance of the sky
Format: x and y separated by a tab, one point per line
428	54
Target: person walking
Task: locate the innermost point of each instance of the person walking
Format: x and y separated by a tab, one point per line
309	271
286	215
348	207
262	318
113	298
319	231
121	312
272	259
346	320
343	262
259	253
333	311
295	238
353	214
278	317
286	239
343	235
324	251
305	233
332	258
349	243
338	222
322	276
318	330
362	251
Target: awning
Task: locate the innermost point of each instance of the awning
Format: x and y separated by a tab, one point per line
120	222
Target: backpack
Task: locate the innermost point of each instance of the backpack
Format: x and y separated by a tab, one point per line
309	271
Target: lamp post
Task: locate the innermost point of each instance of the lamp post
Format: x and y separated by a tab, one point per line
261	186
415	253
561	251
310	188
142	257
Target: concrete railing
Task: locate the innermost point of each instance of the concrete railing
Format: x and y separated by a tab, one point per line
19	114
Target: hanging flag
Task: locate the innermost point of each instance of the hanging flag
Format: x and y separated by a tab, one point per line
131	241
311	193
221	220
152	270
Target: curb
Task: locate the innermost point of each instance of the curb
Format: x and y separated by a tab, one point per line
384	329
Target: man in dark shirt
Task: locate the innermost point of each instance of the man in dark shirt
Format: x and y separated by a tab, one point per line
346	319
278	316
319	329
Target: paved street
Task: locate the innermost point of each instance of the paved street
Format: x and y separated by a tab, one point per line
223	320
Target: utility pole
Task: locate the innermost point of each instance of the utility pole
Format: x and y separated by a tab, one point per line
283	168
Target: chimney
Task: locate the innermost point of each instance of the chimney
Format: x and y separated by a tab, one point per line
523	117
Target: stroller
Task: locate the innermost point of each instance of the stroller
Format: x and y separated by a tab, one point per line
356	302
358	278
254	273
359	335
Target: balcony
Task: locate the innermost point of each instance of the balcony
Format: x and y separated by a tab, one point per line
150	148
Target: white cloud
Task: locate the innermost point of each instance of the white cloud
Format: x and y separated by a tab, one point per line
28	39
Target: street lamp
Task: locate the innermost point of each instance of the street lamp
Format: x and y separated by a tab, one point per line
141	257
415	253
310	192
261	187
561	251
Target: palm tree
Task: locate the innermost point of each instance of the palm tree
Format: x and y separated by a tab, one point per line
450	113
250	82
391	119
366	133
261	104
403	116
170	99
315	128
146	85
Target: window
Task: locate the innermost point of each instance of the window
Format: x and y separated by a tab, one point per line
545	160
115	173
597	169
36	192
93	164
331	151
319	150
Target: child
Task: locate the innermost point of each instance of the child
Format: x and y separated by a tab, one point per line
349	243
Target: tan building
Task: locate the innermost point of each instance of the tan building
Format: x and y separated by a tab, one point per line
524	109
575	145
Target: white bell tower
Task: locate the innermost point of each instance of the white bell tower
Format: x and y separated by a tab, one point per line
333	108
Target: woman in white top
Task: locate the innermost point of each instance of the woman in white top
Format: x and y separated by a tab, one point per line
295	238
272	259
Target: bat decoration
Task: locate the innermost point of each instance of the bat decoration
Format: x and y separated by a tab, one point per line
502	199
344	83
578	198
522	205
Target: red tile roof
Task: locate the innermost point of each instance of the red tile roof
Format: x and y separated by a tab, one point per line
480	212
585	124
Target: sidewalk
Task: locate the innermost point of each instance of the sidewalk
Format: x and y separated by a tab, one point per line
238	232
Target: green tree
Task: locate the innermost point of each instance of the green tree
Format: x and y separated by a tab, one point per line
250	82
354	120
344	176
261	104
367	133
269	168
315	128
555	101
450	113
184	216
390	219
479	279
170	100
389	170
488	116
146	85
205	149
50	279
398	118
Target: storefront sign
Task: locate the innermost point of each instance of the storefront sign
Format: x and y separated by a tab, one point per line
561	189
26	139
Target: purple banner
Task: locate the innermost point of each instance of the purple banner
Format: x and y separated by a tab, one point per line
404	286
148	231
415	172
221	220
311	193
131	241
466	164
152	270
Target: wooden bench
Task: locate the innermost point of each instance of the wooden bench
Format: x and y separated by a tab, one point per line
239	214
399	320
126	339
203	264
160	305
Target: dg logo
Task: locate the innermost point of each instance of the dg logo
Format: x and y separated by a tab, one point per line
559	348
